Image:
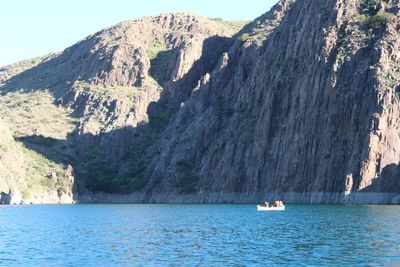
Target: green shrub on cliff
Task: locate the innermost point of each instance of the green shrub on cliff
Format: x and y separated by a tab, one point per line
187	183
154	48
159	66
137	184
187	177
231	27
376	22
369	7
372	16
244	37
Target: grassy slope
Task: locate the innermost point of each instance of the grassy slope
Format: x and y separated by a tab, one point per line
31	114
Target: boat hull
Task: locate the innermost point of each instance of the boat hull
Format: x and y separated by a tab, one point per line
261	208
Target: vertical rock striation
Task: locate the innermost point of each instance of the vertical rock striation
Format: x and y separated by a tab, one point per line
116	89
305	109
302	104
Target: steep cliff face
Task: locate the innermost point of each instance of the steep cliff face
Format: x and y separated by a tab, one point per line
302	104
305	109
95	107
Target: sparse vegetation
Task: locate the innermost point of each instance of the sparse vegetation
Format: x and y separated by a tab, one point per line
369	7
159	59
35	114
373	17
103	185
154	49
46	182
137	184
378	21
216	19
244	37
159	121
42	141
137	180
29	123
38	169
159	66
187	177
232	26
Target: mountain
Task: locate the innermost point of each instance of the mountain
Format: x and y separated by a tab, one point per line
301	104
82	117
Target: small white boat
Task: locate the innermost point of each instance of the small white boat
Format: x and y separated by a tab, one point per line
262	208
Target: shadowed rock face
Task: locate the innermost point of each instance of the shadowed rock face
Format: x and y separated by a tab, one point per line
307	105
120	87
303	105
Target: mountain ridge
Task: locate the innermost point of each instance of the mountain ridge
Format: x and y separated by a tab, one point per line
106	97
299	105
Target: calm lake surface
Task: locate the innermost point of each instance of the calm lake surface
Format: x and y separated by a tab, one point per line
159	235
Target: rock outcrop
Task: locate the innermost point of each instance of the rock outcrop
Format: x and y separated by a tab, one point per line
112	94
302	104
305	109
10	198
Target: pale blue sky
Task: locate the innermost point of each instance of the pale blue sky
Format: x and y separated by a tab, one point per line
31	28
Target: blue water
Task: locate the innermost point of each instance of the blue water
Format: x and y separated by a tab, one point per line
206	235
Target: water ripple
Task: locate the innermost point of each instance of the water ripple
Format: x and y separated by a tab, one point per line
199	235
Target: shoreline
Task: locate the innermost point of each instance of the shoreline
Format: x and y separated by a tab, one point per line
334	198
358	198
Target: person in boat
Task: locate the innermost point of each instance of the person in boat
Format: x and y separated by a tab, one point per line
266	204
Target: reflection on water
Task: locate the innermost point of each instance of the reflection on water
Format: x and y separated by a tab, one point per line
115	235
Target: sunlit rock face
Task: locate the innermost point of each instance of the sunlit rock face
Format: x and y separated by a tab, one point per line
88	115
302	104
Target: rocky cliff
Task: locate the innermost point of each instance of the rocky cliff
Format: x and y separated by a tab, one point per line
305	109
302	104
95	107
